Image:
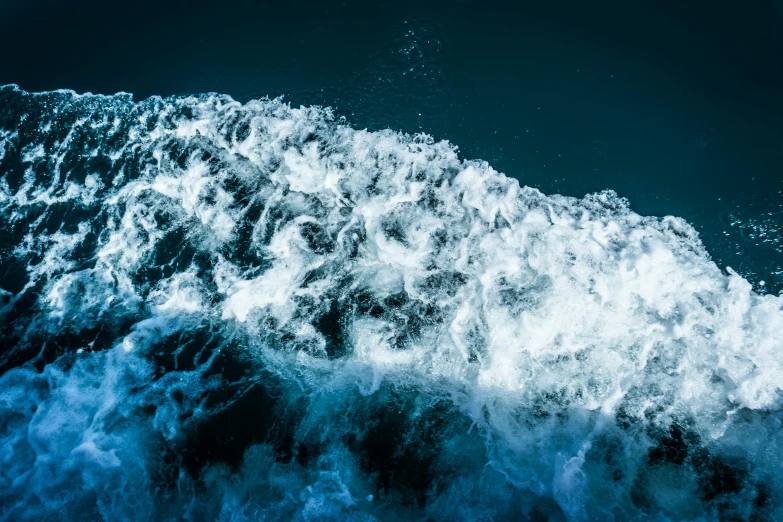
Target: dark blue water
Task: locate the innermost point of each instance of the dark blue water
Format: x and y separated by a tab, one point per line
444	260
676	107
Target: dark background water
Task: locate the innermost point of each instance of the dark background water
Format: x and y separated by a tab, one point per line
677	106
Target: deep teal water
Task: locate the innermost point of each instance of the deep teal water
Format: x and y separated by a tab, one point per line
676	107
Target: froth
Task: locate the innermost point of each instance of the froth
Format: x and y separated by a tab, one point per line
373	302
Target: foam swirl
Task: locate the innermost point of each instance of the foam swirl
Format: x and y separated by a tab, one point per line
217	310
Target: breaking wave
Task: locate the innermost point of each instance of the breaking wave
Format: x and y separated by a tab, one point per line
212	310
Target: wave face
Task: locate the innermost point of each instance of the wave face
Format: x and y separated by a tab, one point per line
253	312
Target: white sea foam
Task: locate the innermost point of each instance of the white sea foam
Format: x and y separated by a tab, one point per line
572	341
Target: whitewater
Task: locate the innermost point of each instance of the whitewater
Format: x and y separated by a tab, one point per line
221	311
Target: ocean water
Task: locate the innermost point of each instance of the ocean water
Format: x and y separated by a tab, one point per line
478	262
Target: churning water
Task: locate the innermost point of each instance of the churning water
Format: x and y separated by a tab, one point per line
216	310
